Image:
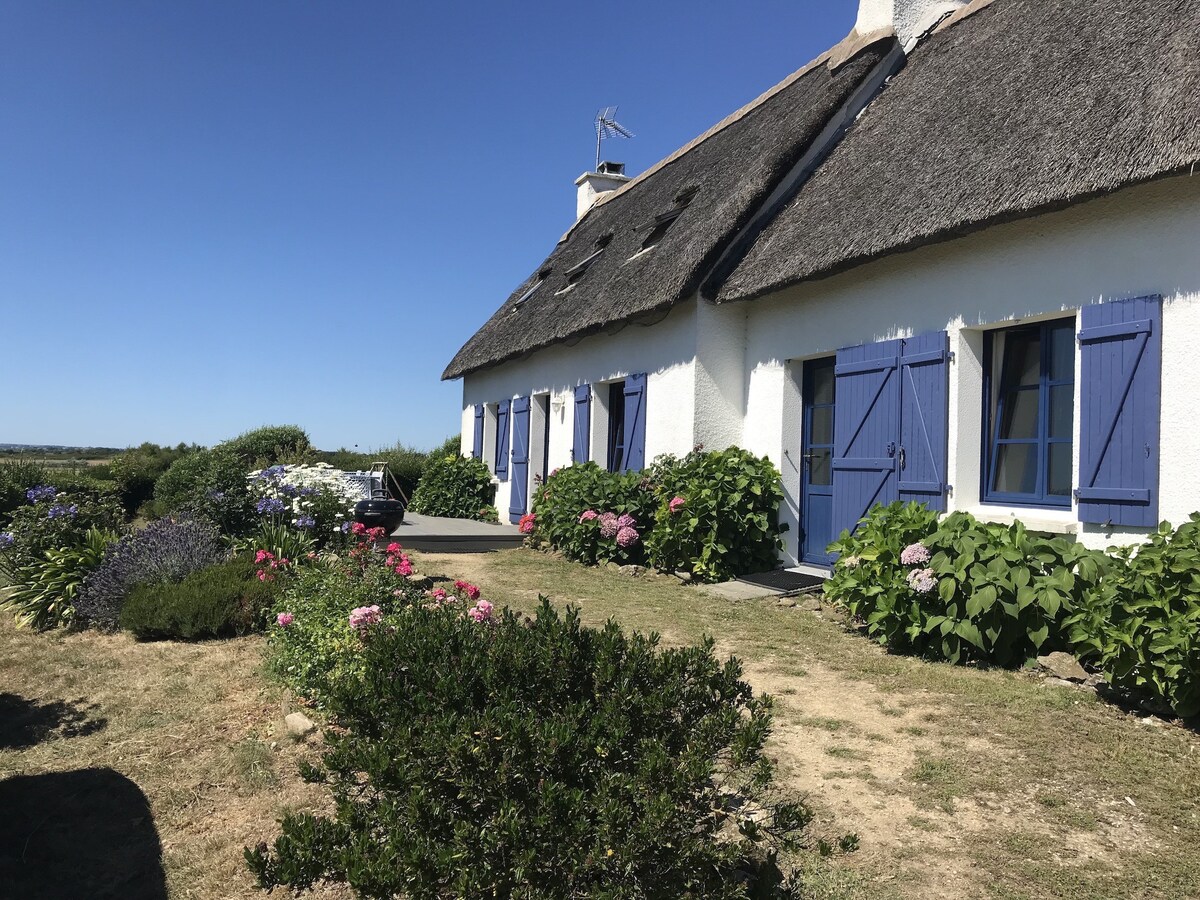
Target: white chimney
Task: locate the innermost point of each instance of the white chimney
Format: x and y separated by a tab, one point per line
608	177
909	19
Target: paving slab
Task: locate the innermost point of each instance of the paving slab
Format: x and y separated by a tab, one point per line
445	535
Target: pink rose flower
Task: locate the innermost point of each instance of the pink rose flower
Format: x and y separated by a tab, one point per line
393	547
283	620
262	555
481	611
527	523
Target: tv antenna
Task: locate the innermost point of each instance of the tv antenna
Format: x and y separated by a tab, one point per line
607	126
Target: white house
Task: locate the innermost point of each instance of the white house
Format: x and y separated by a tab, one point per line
955	259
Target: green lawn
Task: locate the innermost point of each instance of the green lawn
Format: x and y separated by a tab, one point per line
959	782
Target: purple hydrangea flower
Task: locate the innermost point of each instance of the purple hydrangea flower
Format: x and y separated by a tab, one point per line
608	525
626	521
40	493
627	537
922	580
914	555
269	506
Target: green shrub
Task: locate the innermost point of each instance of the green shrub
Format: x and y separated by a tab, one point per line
457	487
136	472
269	445
568	510
211	484
961	589
222	600
17	477
1140	625
728	521
536	759
55	520
44	590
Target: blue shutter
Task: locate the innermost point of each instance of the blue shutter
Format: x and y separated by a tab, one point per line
1120	377
866	430
502	440
924	419
477	441
518	503
580	449
635	422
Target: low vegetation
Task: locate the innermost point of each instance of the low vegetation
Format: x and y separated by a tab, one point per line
458	487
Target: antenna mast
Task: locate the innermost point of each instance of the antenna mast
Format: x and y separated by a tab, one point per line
607	126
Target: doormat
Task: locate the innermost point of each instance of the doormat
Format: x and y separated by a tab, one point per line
783	580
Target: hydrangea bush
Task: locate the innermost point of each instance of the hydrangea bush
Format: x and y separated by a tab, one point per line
482	755
581	509
164	552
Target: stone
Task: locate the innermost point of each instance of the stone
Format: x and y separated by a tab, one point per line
683	576
632	571
810	603
787	602
1063	665
299	725
1059	682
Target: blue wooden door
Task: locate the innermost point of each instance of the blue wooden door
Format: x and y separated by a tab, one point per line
816	472
866	433
518	503
581	444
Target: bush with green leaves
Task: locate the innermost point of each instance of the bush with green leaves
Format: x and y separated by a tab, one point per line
268	446
457	487
136	471
44	590
717	514
1140	624
579	510
52	519
537	759
960	589
16	478
219	601
210	484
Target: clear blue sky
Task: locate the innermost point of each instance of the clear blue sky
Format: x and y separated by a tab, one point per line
218	215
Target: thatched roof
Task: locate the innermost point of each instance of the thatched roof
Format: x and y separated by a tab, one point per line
727	173
1021	108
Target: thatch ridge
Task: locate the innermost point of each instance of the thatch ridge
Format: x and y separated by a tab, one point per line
733	168
1024	107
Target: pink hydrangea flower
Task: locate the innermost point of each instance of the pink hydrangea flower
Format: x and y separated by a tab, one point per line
608	525
627	537
528	523
363	617
587	515
922	580
914	555
481	611
626	521
283	620
676	504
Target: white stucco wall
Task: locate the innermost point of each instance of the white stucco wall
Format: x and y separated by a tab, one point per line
1140	241
664	351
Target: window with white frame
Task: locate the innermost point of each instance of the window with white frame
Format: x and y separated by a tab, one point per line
1029	395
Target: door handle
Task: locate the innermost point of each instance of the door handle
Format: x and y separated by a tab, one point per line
902	459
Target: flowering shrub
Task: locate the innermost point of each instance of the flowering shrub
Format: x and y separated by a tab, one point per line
51	519
313	499
268	445
527	523
17	477
210	484
217	601
960	589
581	509
45	590
535	759
457	487
164	552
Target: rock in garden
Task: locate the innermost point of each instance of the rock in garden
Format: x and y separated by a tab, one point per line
632	571
787	602
299	725
1063	665
683	576
810	602
1059	682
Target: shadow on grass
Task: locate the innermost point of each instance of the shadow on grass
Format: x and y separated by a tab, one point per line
70	835
26	723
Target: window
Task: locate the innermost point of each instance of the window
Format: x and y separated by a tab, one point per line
616	426
1030	406
529	293
659	229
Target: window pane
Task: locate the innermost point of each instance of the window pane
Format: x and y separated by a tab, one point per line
1016	469
1020	415
822	383
1022	358
1058	479
820	468
822	425
1062	352
1062	411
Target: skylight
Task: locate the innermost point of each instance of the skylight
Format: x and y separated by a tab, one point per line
580	268
529	293
661	226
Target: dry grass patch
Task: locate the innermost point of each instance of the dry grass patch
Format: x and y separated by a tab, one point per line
961	783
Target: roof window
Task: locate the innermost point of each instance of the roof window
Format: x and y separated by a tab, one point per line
580	268
658	229
532	290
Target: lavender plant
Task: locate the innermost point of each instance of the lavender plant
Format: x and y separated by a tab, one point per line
165	552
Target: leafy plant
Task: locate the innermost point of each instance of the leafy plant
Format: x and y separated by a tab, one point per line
268	446
1140	624
210	484
164	552
280	539
136	471
458	487
536	759
717	514
959	589
578	509
45	590
17	477
218	601
54	519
